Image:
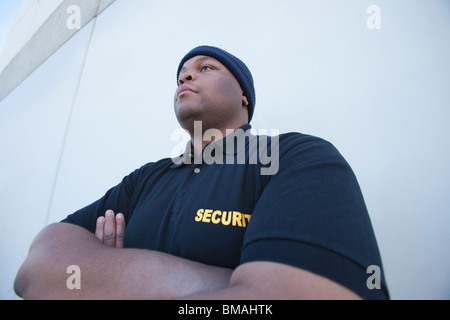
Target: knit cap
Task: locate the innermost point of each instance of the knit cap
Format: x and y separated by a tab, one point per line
234	65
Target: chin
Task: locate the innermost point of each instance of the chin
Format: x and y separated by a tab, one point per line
187	115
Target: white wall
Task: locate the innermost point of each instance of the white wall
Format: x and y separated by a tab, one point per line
381	96
41	29
31	16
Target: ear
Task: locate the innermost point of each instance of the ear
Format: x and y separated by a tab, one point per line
244	101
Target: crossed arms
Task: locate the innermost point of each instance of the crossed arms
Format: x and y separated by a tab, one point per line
109	271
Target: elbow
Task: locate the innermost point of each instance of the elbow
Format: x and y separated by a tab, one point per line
43	274
29	283
26	274
20	283
33	279
31	273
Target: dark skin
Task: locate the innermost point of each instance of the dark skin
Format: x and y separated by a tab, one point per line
208	92
110	271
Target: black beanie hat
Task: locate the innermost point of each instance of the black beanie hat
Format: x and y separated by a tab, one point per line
236	67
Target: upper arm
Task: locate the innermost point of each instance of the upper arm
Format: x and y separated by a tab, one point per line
107	272
270	281
311	216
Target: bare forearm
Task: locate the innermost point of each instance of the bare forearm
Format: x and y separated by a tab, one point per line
109	273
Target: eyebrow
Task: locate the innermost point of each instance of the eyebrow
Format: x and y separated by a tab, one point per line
200	59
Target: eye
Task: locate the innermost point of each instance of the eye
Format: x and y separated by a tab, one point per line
205	68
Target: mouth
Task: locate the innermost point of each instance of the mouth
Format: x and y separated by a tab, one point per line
185	89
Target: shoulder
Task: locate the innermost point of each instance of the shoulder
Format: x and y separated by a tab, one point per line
304	148
148	170
296	140
151	167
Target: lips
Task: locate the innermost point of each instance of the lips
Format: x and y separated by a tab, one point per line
185	88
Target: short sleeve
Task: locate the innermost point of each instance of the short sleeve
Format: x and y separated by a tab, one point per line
312	215
118	199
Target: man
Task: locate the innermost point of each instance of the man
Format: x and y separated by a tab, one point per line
199	229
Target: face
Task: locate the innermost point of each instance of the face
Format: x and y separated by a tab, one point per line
208	92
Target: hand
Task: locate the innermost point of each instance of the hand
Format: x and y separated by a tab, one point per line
110	229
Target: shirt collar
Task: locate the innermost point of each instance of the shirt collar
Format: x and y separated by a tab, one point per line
241	134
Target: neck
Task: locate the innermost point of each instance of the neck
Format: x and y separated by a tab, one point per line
202	135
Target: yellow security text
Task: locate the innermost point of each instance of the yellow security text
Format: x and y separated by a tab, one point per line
226	218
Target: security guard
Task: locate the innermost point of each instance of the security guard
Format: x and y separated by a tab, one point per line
210	224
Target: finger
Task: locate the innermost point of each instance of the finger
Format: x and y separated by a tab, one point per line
120	230
109	233
99	228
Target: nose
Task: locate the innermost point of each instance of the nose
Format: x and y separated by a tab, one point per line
184	77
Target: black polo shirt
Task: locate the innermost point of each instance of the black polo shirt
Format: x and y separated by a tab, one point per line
305	210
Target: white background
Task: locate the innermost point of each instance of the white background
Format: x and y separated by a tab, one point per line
380	96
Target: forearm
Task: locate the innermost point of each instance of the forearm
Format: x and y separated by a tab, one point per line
109	273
